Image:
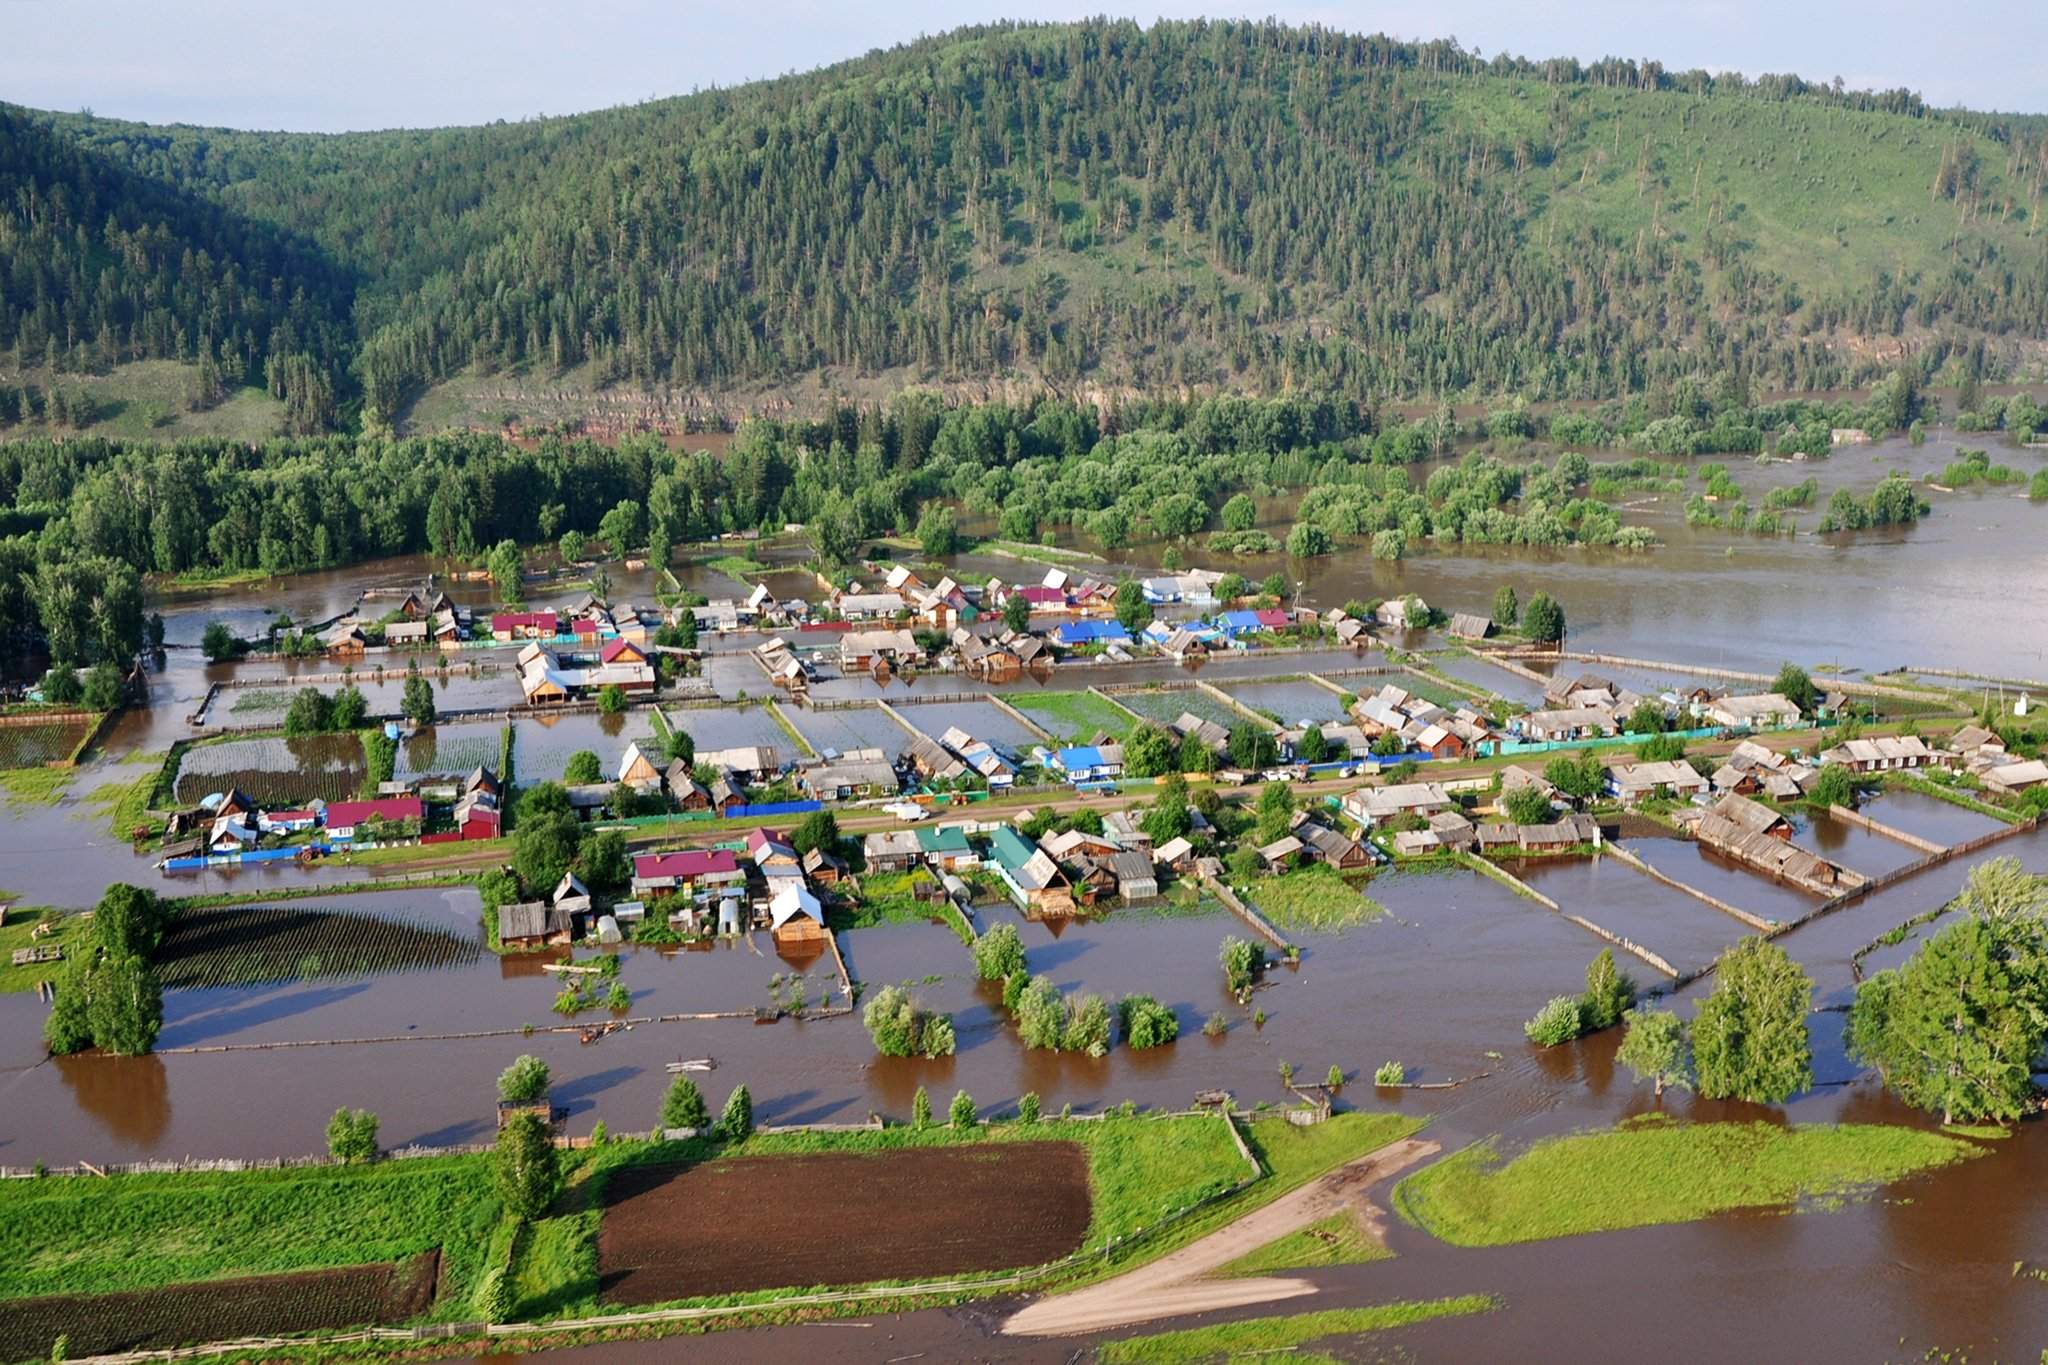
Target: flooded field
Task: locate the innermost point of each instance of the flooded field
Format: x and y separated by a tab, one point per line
1854	847
1683	930
1165	705
452	749
859	727
542	745
1929	817
1490	677
983	720
33	745
1292	702
275	769
732	727
1723	878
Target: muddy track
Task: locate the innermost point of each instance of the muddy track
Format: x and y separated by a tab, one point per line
1182	1283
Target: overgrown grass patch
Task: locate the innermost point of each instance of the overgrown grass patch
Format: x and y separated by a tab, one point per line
74	1235
34	786
1339	1239
1073	717
1644	1173
1282	1337
1314	897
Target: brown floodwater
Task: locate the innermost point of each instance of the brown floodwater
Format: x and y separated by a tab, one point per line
1683	930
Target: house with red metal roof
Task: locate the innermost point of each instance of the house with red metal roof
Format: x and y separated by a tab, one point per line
524	625
344	817
686	870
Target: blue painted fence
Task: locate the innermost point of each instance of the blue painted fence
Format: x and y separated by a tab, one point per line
774	808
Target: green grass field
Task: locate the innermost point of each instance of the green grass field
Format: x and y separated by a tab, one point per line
1339	1239
18	932
1283	1337
1073	717
1314	897
76	1235
1644	1173
146	399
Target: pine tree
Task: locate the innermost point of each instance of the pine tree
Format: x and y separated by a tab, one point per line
736	1121
921	1109
683	1106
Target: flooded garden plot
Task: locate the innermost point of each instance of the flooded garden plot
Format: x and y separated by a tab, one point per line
219	1310
1723	878
1072	717
1854	847
855	727
1166	704
275	770
1292	701
41	742
672	1232
1478	672
984	720
732	727
454	749
542	745
1684	931
1929	817
248	945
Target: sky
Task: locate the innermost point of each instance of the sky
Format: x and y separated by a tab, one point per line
330	67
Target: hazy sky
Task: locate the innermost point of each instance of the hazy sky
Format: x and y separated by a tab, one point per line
380	63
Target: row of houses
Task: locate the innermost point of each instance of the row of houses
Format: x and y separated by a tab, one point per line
232	822
550	677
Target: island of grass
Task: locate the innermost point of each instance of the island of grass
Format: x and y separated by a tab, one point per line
1283	1337
1650	1170
18	924
1340	1239
1314	897
1073	717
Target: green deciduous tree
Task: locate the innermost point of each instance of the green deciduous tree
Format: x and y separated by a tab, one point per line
1145	1023
1795	686
1507	607
352	1135
582	768
1559	1021
526	1166
1609	993
1528	806
1750	1040
1016	612
1150	750
921	1109
417	702
525	1081
900	1027
999	953
1240	513
217	642
960	1114
1543	620
1654	1048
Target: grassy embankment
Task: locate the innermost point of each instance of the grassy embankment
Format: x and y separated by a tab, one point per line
1284	1336
1653	1171
1314	897
1074	717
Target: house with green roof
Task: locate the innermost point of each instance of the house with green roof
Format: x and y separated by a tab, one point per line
947	847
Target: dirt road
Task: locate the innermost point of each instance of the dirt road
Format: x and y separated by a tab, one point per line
1180	1283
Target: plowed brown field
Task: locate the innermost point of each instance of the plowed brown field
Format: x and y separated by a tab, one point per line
673	1232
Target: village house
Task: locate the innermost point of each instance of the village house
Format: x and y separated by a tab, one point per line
748	762
854	774
571	895
684	789
1369	806
1576	722
1566	832
891	850
982	757
1750	768
1206	732
638	771
1757	835
1326	845
1636	783
870	606
400	815
824	868
1977	746
1395	613
862	649
727	798
2010	779
1762	711
1176	855
1184	645
795	916
688	872
524	625
1280	855
1453	830
477	815
772	853
1076	634
344	639
406	634
1034	881
1881	753
933	761
1090	762
534	924
1075	844
1467	626
1438	742
947	847
1135	880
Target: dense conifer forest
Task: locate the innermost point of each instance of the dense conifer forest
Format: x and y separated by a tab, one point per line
1091	207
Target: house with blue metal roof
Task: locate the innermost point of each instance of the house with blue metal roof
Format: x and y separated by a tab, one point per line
1090	762
1072	633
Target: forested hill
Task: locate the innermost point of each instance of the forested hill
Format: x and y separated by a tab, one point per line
1092	206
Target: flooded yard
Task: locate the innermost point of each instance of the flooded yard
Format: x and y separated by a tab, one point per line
733	727
1929	817
453	749
542	745
983	720
1684	931
1165	705
860	727
275	769
1723	878
1291	702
